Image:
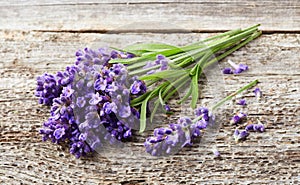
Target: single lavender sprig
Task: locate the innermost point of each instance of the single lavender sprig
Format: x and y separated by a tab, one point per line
169	140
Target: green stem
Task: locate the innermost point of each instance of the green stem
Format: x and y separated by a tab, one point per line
249	39
143	71
220	103
251	84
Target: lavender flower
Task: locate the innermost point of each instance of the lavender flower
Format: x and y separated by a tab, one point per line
257	93
239	68
91	102
242	102
238	118
50	86
161	61
227	70
138	87
255	127
167	108
240	136
58	133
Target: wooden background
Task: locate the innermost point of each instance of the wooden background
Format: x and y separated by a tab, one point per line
42	36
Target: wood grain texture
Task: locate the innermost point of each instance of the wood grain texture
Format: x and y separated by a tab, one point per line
151	15
269	158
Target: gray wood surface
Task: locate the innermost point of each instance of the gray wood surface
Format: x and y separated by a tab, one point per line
45	37
129	15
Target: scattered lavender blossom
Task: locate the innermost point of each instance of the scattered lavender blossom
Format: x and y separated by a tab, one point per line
238	118
216	152
255	127
240	136
237	68
242	102
257	92
167	108
227	70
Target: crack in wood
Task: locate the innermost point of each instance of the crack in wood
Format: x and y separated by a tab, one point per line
161	31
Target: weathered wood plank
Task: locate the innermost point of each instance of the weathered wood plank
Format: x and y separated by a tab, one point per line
269	158
149	15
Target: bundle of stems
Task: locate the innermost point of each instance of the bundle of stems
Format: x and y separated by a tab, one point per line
186	64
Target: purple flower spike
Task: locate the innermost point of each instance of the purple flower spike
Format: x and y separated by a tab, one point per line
257	93
201	111
47	89
239	68
227	70
242	102
166	141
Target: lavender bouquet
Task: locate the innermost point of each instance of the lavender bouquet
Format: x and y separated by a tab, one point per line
105	94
